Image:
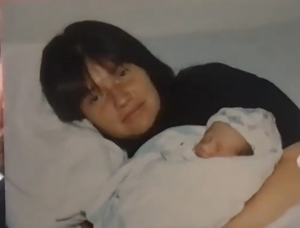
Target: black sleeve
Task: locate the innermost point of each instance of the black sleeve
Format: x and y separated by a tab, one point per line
237	88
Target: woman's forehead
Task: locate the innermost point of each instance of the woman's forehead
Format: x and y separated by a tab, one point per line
97	72
102	67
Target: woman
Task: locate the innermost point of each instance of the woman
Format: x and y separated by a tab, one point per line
97	71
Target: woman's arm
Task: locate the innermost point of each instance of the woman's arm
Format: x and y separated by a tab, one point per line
279	193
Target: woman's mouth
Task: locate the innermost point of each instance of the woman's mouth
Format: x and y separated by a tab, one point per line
132	114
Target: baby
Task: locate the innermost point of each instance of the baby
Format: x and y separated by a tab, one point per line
167	180
235	131
230	132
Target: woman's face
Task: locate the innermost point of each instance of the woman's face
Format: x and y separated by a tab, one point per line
123	101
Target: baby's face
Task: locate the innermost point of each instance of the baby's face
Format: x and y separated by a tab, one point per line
221	140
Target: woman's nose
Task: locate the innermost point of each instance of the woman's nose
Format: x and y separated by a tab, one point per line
117	92
120	96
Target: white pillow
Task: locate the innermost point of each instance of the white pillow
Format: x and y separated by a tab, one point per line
53	170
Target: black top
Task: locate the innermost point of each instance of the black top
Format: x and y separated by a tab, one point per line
199	92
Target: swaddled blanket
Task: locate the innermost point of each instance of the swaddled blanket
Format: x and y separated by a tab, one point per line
166	185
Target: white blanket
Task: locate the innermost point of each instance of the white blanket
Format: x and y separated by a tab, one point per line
167	185
154	191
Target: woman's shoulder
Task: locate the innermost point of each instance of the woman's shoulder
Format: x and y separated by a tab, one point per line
207	67
214	71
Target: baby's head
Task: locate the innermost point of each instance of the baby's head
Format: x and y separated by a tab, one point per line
239	132
222	140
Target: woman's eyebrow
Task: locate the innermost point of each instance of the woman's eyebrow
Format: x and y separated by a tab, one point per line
115	68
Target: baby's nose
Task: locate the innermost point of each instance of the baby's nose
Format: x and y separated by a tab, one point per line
206	150
207	154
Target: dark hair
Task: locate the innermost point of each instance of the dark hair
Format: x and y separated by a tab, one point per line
63	71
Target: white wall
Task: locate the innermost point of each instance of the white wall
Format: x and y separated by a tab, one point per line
33	21
260	36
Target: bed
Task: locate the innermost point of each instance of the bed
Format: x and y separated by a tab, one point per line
259	36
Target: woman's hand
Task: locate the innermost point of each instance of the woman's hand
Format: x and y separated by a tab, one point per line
280	192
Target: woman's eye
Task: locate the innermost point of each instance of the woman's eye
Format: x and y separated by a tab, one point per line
93	99
123	73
